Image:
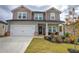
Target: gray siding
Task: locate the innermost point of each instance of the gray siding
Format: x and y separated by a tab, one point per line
22	9
57	14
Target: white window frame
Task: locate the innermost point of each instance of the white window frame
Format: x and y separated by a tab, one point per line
53	28
38	16
52	15
21	15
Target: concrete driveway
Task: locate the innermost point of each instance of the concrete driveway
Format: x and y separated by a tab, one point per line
14	44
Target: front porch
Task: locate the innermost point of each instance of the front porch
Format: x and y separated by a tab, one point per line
47	28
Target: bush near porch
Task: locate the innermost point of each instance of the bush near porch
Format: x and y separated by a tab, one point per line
66	38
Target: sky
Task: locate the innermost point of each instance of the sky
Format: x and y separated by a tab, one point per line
6	14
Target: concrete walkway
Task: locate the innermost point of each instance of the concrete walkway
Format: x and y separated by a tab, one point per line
14	44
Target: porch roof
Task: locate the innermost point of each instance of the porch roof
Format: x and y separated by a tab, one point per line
3	22
58	21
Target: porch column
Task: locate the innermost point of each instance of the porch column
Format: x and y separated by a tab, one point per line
46	29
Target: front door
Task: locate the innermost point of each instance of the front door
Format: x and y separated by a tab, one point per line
41	29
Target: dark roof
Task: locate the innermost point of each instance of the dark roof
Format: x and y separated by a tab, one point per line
3	22
34	8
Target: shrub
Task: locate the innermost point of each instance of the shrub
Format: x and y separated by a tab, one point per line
58	39
69	40
66	40
63	38
53	40
76	41
72	37
66	34
48	37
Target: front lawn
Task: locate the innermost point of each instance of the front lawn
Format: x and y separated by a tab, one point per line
39	45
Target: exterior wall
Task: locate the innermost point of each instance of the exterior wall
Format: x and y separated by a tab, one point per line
21	23
2	29
30	13
6	27
36	29
61	29
32	23
22	9
47	14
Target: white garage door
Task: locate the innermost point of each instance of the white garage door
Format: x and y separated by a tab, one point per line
22	30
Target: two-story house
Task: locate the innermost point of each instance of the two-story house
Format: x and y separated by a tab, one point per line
28	22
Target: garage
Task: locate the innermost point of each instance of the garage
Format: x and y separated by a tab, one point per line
22	30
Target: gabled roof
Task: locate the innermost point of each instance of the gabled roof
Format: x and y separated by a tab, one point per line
22	6
34	8
53	9
3	22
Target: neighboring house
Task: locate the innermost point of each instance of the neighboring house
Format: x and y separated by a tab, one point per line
28	22
3	29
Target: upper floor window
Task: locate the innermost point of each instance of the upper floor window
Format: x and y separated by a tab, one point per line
52	16
38	16
22	15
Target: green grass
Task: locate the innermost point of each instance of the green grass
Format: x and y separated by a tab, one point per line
39	45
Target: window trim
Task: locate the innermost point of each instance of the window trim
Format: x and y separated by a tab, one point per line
51	16
21	15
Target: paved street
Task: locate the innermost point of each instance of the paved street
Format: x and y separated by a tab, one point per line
14	44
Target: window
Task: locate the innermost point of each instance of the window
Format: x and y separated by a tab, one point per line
54	29
52	16
22	15
50	29
38	16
